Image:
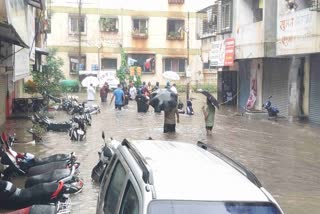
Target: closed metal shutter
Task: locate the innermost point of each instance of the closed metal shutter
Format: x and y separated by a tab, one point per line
244	83
275	83
3	90
314	108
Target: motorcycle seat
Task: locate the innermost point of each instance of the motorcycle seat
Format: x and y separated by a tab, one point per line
37	170
47	177
52	158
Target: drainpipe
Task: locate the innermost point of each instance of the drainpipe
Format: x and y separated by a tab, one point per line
79	34
188	59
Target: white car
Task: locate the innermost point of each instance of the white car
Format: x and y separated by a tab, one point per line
162	177
109	76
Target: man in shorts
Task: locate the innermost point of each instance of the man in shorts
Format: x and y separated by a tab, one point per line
119	95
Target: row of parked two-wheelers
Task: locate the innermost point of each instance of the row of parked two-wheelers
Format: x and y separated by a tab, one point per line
76	126
48	184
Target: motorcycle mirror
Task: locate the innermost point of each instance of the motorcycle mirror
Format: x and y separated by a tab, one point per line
103	136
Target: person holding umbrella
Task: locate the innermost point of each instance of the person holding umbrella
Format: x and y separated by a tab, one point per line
209	114
209	111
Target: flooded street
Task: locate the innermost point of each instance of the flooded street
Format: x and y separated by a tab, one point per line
284	156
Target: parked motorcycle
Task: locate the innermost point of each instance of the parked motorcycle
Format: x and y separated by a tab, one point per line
27	164
272	111
77	131
58	208
49	124
68	176
105	156
82	108
12	197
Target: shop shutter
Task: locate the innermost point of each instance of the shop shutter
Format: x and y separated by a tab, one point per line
314	108
275	83
244	82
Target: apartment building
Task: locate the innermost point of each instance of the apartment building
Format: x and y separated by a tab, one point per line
157	36
276	53
21	39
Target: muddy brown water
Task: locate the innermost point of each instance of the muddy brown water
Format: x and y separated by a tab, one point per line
284	156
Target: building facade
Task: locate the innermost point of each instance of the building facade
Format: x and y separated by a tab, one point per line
276	54
157	36
20	34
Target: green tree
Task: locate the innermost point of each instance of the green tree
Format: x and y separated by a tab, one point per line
122	72
48	79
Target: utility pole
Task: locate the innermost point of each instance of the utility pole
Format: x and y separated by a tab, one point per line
188	59
79	35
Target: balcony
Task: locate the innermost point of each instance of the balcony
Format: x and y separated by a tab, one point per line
140	34
175	35
108	25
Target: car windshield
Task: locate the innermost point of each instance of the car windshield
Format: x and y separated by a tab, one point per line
205	207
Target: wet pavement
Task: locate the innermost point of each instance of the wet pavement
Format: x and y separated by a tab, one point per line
284	156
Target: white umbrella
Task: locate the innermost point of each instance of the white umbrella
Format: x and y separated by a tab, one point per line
90	80
171	75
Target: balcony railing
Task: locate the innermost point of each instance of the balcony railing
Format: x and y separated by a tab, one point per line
140	34
175	36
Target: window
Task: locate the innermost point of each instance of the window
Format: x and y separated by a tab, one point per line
140	28
130	201
226	9
175	29
146	62
257	9
115	186
210	22
108	24
314	5
108	63
74	61
75	25
209	207
175	64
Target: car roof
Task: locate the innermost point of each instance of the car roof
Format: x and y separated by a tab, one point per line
183	171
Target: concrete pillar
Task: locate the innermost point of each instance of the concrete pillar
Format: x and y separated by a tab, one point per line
294	87
306	86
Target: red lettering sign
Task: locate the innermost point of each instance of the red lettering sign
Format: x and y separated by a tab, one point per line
229	53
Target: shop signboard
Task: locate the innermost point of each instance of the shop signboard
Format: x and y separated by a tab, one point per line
222	53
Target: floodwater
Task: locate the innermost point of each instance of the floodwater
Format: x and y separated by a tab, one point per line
284	156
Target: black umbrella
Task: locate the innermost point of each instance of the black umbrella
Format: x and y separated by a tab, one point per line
212	100
163	99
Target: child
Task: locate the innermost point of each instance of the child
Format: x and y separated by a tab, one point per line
189	108
209	114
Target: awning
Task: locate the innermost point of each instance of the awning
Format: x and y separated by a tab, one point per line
42	51
10	35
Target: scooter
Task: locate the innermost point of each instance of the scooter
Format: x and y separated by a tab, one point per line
81	108
77	131
12	197
50	125
26	164
105	156
68	176
272	111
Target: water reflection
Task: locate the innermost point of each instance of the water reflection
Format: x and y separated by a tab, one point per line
285	157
